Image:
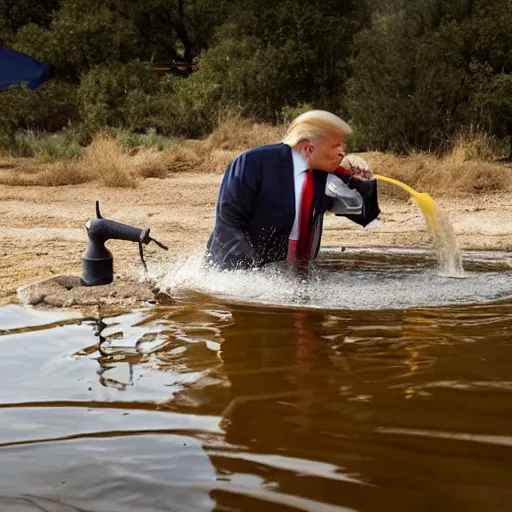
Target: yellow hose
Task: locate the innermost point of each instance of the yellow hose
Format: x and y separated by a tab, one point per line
423	200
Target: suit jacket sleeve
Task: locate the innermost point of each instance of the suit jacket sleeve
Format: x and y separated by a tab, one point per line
369	192
230	246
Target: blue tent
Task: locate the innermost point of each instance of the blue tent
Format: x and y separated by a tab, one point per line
18	68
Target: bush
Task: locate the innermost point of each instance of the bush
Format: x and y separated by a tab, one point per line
81	35
192	108
247	73
150	140
474	144
119	95
49	108
106	161
289	113
424	73
494	105
380	91
46	147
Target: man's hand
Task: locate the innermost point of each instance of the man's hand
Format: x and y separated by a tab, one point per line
357	166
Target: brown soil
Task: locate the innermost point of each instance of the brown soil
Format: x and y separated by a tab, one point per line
43	231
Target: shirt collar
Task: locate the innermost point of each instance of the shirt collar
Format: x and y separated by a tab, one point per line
300	164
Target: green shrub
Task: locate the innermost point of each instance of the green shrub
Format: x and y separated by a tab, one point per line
46	147
82	34
238	73
493	103
426	71
125	96
49	108
289	113
150	140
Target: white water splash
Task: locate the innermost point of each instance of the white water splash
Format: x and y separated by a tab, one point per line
393	287
446	247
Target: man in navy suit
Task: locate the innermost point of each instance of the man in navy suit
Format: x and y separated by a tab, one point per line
272	198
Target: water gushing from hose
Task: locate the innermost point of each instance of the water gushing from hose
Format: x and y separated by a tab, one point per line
441	229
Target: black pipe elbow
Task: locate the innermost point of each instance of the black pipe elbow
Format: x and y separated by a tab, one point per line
97	261
101	230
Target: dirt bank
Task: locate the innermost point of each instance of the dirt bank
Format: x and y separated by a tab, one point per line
43	230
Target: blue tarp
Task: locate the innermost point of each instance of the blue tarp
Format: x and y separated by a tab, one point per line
17	68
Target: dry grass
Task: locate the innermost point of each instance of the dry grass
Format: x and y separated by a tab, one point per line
103	161
149	164
467	169
216	160
213	154
470	167
185	157
106	161
474	144
452	175
235	133
232	136
63	173
47	175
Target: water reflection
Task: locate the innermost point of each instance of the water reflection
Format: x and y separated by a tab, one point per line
309	403
210	406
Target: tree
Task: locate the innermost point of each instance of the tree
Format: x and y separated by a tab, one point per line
16	13
422	72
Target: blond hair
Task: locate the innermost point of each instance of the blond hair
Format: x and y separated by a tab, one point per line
314	124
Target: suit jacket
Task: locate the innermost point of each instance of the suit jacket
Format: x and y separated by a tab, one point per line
256	207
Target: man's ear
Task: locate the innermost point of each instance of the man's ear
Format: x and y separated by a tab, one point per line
308	148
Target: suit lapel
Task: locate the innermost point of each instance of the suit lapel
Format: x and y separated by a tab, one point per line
286	179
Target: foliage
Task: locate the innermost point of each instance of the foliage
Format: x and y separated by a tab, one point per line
116	95
50	108
16	13
150	140
407	74
423	72
46	148
80	37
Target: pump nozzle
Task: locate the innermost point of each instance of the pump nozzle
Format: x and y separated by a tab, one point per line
97	261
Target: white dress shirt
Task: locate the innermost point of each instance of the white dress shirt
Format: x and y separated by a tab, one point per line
300	167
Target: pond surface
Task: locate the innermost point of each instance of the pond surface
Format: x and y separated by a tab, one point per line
351	399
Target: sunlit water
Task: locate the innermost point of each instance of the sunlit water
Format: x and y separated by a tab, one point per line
253	392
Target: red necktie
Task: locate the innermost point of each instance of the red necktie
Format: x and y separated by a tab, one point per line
301	249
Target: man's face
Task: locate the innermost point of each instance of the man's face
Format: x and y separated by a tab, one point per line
325	153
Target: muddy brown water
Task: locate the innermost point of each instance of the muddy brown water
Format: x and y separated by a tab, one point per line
210	404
